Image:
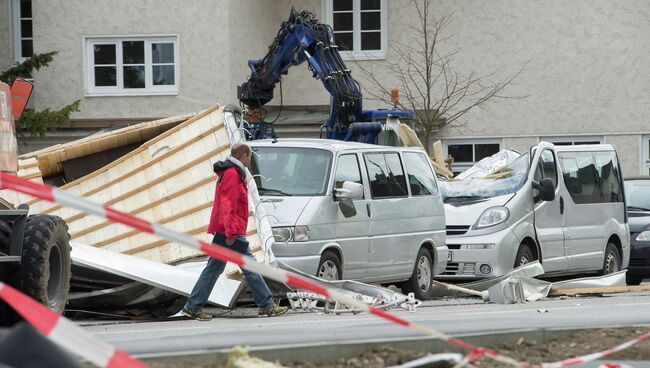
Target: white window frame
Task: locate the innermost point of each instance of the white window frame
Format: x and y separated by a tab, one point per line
573	139
462	166
645	159
359	54
119	90
16	31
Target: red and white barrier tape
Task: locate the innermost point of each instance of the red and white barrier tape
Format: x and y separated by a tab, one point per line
66	333
595	356
8	181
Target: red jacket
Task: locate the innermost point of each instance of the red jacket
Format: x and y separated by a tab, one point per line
230	207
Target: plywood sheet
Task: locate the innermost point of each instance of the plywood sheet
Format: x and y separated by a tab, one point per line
169	179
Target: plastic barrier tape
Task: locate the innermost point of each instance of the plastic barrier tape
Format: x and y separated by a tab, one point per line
66	333
8	181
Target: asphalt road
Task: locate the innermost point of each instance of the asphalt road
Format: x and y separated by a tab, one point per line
455	317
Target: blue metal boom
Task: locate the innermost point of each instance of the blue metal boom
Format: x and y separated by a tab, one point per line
302	38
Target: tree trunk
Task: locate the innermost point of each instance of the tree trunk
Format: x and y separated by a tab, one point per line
427	143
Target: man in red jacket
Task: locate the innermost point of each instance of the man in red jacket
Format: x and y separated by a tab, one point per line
228	223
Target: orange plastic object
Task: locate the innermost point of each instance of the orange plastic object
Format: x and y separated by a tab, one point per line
394	95
21	90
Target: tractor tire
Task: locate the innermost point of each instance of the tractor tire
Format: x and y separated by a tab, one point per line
44	273
5	236
7	317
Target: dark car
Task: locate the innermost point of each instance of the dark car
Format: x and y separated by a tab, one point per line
637	195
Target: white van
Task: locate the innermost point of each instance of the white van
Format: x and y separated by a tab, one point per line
564	207
345	210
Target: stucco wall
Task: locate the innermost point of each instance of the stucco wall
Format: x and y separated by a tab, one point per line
6	48
202	26
585	62
519	144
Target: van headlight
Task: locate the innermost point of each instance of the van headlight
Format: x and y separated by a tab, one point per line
492	216
290	234
643	236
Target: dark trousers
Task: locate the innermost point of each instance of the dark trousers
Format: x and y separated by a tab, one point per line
204	285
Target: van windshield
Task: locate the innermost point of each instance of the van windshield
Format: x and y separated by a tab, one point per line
505	180
290	171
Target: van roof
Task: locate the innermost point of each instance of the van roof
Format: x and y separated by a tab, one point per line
327	144
585	147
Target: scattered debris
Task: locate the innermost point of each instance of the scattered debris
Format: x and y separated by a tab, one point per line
433	361
239	358
598	290
372	295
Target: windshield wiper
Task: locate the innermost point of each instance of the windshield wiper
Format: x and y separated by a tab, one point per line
273	191
635	208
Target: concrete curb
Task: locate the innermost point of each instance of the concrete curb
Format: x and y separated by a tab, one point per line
329	352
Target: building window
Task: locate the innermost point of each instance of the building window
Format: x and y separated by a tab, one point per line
359	27
467	153
23	34
132	66
572	141
646	155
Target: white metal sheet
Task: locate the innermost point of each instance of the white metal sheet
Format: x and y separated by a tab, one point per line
179	280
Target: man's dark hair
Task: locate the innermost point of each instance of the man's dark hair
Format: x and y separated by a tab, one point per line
239	149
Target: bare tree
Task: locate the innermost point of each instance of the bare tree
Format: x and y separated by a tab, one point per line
438	94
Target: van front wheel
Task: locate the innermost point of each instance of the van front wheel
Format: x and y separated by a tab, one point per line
524	255
329	267
420	281
612	261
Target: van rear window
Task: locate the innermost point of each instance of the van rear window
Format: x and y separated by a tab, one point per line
592	177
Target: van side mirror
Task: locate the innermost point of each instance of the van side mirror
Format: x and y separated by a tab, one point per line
346	195
546	190
349	190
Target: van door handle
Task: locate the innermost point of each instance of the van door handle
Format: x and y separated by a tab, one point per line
561	205
368	209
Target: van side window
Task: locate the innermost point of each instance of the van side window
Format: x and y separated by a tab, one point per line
421	179
580	176
610	177
396	176
386	175
347	169
546	168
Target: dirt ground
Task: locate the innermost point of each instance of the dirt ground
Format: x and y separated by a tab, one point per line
532	351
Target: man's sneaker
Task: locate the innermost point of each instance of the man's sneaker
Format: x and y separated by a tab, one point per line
199	316
275	310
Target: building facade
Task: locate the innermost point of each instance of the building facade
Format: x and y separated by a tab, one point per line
584	64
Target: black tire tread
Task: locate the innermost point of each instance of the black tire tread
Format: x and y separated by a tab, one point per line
411	285
41	233
524	248
611	247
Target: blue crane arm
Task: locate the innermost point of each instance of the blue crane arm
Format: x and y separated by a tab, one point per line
302	38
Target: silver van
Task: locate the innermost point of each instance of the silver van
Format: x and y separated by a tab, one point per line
562	205
345	210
